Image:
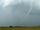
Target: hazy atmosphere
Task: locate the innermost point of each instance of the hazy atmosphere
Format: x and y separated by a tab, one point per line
12	12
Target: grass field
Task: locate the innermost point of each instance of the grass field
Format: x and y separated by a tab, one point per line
26	28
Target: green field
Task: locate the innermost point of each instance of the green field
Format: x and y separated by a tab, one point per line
25	28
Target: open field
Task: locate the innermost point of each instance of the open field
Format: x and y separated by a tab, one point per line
25	28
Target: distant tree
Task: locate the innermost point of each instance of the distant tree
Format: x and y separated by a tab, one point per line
2	27
39	26
10	26
17	26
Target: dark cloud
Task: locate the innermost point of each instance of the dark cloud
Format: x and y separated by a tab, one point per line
22	8
13	14
35	11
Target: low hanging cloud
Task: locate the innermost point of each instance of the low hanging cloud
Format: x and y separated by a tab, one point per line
13	11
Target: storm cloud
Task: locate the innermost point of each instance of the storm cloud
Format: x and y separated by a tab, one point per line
12	12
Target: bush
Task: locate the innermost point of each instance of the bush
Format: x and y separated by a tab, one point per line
17	26
39	26
10	26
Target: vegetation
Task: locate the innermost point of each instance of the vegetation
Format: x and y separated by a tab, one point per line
10	26
21	28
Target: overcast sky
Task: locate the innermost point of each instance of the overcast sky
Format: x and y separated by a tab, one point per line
12	12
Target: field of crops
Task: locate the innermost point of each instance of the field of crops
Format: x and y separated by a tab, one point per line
27	28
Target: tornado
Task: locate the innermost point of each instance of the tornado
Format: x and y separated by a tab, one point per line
27	14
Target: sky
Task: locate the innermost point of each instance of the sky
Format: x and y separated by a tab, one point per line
12	12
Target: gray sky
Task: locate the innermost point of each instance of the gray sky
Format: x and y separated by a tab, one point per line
12	12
